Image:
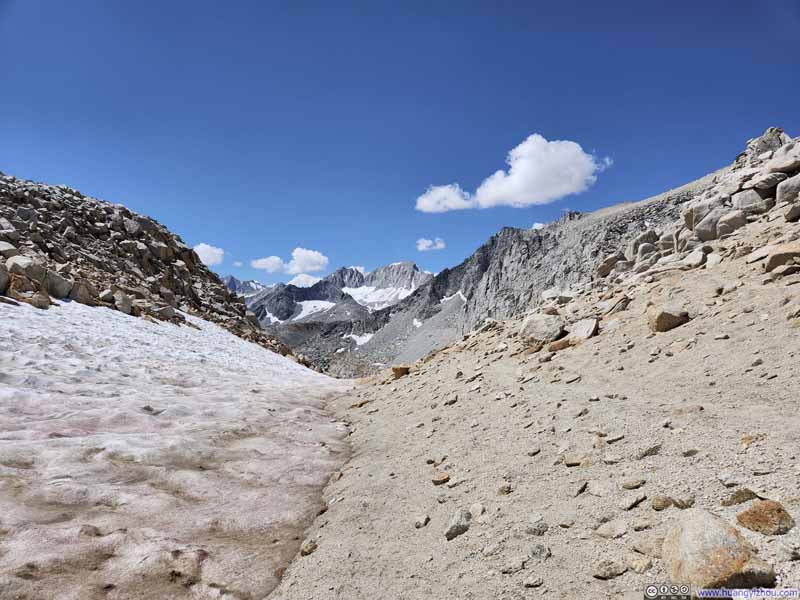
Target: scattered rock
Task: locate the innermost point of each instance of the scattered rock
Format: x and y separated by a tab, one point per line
767	517
608	569
666	317
458	525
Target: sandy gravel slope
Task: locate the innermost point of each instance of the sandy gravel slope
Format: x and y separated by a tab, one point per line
694	414
146	460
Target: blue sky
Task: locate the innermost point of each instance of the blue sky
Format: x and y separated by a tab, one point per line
261	127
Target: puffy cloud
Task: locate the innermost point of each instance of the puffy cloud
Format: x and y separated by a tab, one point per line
210	255
424	244
441	198
237	263
306	261
537	225
303	280
539	172
303	261
270	264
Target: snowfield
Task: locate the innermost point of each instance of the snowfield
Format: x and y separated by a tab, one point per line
147	460
310	307
377	298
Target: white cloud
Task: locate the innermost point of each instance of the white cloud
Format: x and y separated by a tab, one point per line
537	225
270	264
237	263
424	244
358	268
539	172
210	255
303	280
306	261
302	261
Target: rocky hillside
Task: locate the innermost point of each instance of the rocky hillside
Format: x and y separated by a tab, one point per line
638	430
56	243
517	269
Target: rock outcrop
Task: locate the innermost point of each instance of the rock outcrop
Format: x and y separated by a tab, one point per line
59	243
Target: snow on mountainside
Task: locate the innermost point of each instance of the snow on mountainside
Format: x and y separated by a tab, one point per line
154	456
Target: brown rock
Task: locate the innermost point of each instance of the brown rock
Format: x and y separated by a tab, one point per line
767	517
781	255
440	477
704	551
400	371
740	496
664	318
83	292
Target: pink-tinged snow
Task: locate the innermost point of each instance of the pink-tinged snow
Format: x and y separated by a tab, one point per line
147	460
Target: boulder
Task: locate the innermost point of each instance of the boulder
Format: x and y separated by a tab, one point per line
698	209
792	215
704	551
83	292
706	229
57	285
788	190
644	251
7	250
751	202
786	159
582	330
24	265
765	181
730	222
666	317
4	278
607	264
538	329
400	371
781	255
123	302
648	237
767	517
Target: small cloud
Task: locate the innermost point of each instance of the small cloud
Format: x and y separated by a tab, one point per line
270	264
303	280
537	225
539	172
424	244
210	255
358	268
237	263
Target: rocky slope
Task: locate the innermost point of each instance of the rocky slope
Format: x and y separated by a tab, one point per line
516	268
638	430
58	243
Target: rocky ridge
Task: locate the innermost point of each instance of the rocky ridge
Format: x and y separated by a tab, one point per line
638	430
517	269
56	243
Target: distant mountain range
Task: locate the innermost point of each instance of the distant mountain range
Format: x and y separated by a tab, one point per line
243	288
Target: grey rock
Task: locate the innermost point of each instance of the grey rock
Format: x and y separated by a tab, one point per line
4	278
664	318
541	329
730	222
58	286
7	250
706	229
786	159
789	190
458	525
751	202
24	265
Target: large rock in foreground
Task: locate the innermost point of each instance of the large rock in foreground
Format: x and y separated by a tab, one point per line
664	318
705	552
541	329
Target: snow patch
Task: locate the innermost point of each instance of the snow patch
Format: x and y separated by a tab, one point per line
360	340
377	298
310	307
458	294
417	323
